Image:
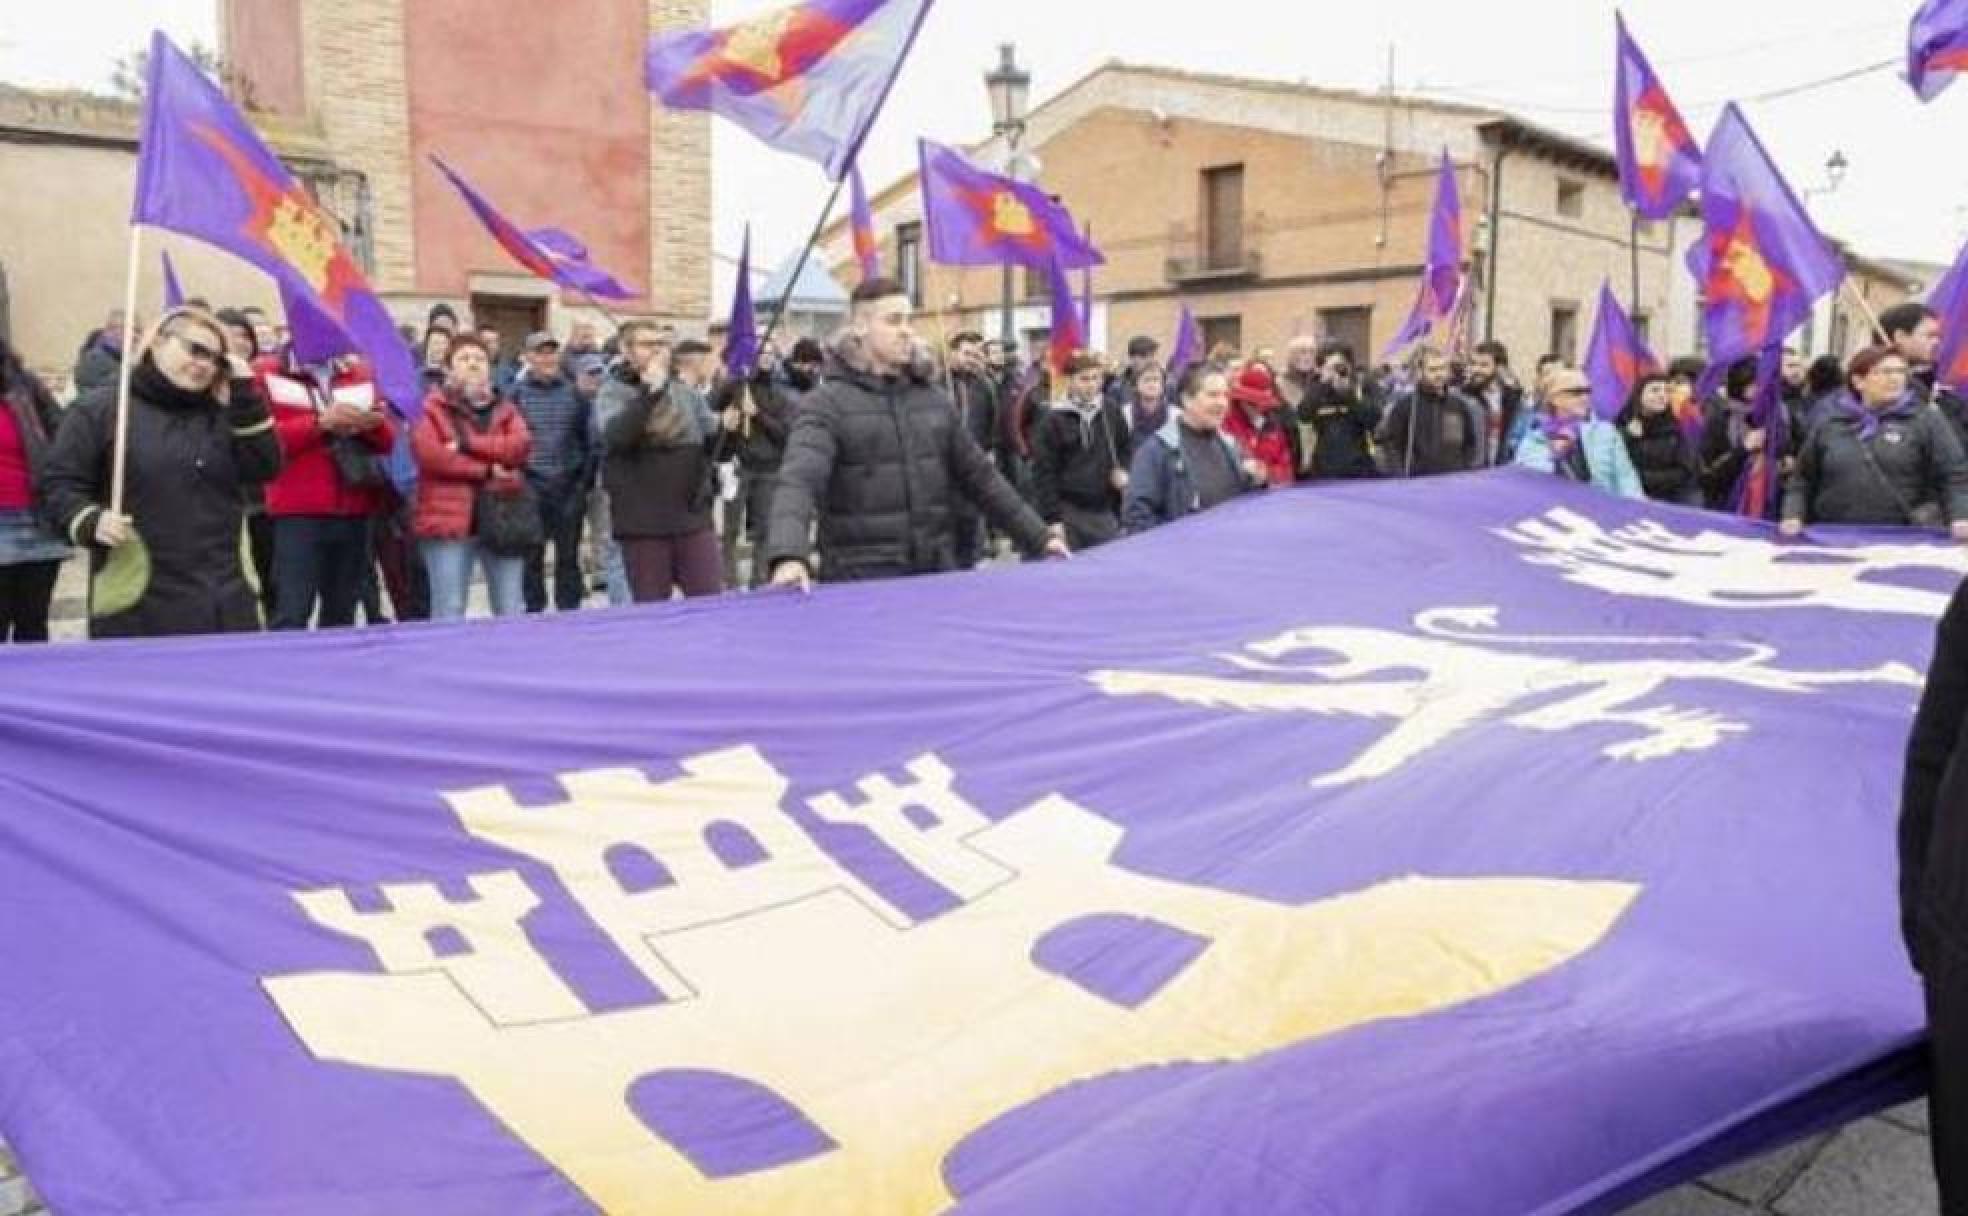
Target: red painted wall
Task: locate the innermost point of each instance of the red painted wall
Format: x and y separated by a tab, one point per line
262	41
542	107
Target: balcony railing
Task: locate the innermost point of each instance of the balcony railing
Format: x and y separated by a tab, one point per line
1193	258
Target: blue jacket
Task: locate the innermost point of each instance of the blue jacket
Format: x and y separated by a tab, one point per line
564	455
1160	489
1605	457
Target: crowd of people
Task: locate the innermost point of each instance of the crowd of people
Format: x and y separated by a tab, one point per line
262	490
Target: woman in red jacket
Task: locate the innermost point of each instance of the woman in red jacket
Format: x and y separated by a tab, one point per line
468	440
1260	426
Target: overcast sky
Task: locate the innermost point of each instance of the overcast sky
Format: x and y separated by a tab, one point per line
1550	61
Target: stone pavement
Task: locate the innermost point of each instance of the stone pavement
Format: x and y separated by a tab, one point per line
1875	1167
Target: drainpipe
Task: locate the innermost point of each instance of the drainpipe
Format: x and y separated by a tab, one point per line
1496	231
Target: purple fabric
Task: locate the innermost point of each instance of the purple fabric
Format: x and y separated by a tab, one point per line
1732	750
1950	303
552	254
1068	337
1615	359
1659	162
741	338
1937	46
808	78
867	246
1760	263
980	218
174	295
201	171
1441	277
1188	344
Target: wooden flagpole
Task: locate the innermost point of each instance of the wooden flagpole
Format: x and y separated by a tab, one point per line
1865	309
120	458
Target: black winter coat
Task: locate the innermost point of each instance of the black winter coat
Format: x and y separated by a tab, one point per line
1912	464
1074	459
1342	426
1450	438
1665	458
761	443
977	404
659	455
1934	800
190	465
879	462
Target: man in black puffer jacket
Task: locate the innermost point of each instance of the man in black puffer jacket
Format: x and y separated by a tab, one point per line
878	458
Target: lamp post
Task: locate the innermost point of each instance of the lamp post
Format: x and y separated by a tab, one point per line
1835	169
1010	87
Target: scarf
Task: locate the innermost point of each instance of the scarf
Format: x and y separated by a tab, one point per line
1866	422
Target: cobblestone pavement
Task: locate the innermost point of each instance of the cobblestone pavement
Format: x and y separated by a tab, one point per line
1875	1167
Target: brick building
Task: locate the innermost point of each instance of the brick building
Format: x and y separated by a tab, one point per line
1278	209
554	125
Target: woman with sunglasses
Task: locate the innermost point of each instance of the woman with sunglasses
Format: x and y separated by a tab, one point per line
1566	439
1879	457
199	435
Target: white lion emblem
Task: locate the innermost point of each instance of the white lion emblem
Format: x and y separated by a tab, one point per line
1451	675
1717	571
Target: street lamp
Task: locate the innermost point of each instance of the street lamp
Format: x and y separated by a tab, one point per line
1010	87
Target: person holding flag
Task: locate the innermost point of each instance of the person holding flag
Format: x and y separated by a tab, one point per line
197	435
877	459
1659	446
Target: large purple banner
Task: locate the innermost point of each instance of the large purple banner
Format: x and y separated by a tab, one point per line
1488	846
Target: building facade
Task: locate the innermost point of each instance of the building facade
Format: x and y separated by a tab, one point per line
551	121
1276	210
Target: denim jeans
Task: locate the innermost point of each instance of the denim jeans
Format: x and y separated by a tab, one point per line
449	563
318	559
608	552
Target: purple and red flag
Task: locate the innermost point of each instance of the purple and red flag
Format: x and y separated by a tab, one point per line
1761	264
550	253
1950	304
1188	344
202	172
1441	277
979	218
1759	490
174	295
808	78
1659	162
1615	359
1937	46
1069	335
741	339
867	248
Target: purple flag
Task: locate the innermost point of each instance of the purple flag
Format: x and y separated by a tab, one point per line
174	295
1441	277
550	253
808	78
201	171
979	218
1950	303
1069	335
1659	161
1937	46
1188	344
1431	887
1758	492
1760	264
1615	359
741	339
867	246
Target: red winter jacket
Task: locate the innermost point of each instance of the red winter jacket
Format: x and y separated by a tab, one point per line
449	480
308	483
1268	442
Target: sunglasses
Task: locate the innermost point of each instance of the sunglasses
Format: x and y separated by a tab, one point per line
198	350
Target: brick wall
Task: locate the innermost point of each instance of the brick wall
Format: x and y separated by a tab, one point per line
679	190
356	89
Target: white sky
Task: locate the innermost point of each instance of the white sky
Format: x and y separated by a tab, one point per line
1550	61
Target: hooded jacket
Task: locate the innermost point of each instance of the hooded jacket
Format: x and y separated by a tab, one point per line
190	462
1074	456
1879	470
878	462
1161	486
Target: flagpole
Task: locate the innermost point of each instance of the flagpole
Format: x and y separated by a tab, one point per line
1633	251
799	268
614	321
1872	318
120	456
